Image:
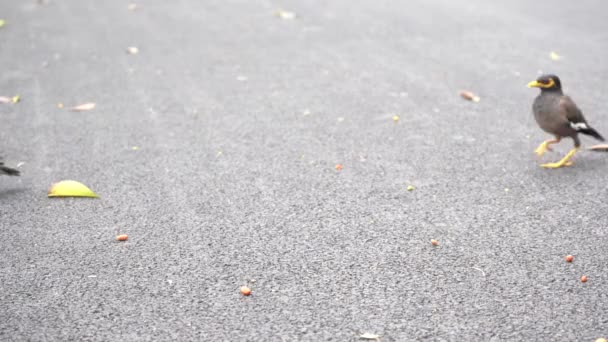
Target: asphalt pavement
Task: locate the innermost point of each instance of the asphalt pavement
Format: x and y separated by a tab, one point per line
215	149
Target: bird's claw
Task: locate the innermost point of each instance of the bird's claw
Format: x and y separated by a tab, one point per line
544	147
557	165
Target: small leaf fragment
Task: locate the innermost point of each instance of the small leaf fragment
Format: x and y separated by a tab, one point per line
554	56
16	98
83	107
467	95
369	336
285	14
70	188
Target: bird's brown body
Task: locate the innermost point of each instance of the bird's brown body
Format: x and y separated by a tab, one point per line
558	115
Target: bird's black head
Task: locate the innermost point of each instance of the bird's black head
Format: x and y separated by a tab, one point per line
546	82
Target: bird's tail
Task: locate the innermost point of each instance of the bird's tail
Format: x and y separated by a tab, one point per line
592	132
8	171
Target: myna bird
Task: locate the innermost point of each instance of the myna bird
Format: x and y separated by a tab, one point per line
557	114
4	170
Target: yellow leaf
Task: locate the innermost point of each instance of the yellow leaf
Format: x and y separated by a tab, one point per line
70	188
83	107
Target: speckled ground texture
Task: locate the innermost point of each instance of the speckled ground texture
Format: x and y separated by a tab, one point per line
240	118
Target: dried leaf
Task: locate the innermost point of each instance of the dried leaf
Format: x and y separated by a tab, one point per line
16	98
132	50
83	107
4	99
285	14
554	56
467	95
2	22
369	336
70	188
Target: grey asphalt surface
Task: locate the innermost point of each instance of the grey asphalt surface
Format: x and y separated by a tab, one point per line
240	118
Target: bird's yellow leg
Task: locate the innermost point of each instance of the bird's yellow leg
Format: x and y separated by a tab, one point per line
544	147
563	162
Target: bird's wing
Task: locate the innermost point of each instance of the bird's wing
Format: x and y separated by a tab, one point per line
572	113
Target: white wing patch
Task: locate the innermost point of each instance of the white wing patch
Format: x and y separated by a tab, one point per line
578	125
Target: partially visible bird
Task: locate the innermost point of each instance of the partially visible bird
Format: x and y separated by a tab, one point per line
557	114
5	170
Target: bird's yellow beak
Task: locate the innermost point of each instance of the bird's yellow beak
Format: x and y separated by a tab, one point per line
535	84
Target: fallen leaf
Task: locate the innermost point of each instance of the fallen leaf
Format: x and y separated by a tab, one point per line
4	99
369	336
70	188
83	107
467	95
554	56
132	50
122	237
16	98
2	22
285	14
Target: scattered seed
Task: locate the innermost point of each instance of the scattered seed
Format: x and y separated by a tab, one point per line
245	291
584	279
84	107
434	242
369	336
285	14
122	237
569	258
339	167
554	56
467	95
